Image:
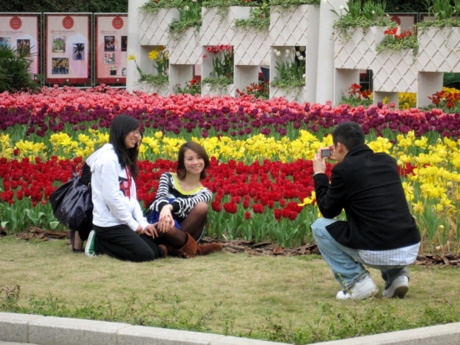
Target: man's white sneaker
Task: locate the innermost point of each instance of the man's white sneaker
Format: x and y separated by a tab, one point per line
398	288
363	288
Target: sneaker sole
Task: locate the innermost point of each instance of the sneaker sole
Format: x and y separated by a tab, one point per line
400	292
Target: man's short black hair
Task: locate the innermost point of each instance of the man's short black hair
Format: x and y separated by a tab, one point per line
349	134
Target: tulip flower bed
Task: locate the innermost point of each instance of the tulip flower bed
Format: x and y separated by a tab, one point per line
260	152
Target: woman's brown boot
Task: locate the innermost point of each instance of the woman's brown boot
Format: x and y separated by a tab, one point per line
190	249
205	249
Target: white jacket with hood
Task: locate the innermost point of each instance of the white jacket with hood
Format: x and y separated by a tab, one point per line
111	206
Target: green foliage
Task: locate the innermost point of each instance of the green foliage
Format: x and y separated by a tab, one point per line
445	14
290	3
259	19
405	6
14	70
222	61
190	16
192	87
155	79
227	3
363	14
291	68
223	5
217	83
65	6
259	90
331	322
357	97
154	6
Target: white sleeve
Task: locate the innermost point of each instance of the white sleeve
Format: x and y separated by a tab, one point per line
113	196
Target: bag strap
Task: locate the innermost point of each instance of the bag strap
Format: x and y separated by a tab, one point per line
85	174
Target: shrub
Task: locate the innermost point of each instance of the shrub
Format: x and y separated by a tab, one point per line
14	70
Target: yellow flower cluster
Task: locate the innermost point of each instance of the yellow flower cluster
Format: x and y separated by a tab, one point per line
407	100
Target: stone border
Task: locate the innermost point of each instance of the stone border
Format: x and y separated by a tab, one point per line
50	330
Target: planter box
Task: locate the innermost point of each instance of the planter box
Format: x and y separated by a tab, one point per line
216	29
295	26
357	51
228	90
251	48
296	94
154	28
395	72
162	90
439	49
187	49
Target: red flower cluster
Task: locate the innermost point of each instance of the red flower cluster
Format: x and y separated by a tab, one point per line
391	31
450	99
34	180
219	48
258	90
404	34
355	91
238	186
270	186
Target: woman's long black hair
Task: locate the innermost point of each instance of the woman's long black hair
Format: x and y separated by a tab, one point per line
121	126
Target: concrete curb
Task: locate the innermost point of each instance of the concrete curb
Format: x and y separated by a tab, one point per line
448	334
49	330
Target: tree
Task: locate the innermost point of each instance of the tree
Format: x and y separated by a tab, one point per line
66	6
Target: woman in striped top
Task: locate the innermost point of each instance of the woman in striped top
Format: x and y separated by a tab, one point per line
180	208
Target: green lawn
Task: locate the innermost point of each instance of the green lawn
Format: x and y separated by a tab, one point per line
286	299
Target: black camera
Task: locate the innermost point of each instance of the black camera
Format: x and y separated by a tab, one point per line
326	153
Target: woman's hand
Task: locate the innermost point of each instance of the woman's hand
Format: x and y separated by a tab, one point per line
139	230
150	230
166	220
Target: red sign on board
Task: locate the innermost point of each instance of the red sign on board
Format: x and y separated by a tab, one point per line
117	23
15	23
67	22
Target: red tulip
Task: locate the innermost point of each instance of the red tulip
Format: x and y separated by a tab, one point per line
231	207
216	206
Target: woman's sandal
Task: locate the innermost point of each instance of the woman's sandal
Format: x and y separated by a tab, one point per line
72	242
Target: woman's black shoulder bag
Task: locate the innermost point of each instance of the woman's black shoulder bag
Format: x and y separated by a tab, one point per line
72	204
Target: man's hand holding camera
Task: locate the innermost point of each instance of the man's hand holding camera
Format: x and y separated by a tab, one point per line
319	160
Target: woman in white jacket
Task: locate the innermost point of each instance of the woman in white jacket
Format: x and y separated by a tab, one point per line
120	228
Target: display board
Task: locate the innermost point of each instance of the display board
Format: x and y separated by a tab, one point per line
67	48
21	30
111	48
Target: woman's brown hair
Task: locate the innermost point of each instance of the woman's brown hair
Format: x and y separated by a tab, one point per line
198	149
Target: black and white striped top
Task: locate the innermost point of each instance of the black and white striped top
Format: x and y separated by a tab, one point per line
169	192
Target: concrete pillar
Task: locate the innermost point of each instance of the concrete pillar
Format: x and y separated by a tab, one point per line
325	75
